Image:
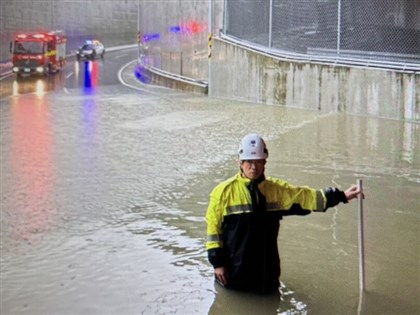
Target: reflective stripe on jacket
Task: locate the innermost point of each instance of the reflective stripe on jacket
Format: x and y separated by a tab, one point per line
232	197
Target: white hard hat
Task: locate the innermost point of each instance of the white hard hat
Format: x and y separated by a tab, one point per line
252	147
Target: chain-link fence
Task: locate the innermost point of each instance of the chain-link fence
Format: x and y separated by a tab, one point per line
381	33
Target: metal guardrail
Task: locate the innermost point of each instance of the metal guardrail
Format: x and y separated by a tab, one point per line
344	59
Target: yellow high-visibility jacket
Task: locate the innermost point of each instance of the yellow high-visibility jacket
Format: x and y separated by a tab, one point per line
244	240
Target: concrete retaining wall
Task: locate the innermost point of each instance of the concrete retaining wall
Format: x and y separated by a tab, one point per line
240	73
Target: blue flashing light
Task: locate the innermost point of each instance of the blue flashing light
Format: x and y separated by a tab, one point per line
149	37
175	29
189	27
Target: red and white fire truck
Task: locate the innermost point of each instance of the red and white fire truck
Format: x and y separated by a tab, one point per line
38	53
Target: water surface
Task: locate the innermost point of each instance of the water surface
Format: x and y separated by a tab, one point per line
104	196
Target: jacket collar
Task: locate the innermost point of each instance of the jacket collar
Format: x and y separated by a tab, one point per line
246	180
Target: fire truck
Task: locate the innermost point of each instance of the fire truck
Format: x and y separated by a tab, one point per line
38	53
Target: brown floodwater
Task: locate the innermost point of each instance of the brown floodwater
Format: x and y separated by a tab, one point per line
104	196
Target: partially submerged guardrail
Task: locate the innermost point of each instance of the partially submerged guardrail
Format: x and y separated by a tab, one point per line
175	81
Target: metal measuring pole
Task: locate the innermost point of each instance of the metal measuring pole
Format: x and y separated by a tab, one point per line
361	238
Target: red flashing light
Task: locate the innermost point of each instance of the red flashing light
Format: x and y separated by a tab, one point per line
195	27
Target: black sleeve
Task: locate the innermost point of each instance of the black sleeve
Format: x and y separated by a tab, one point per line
334	197
215	256
296	209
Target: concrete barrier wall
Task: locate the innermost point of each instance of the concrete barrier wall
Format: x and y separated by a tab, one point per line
240	73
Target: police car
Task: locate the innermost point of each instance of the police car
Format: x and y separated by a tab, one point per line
90	50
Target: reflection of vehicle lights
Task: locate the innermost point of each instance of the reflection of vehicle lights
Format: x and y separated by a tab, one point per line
149	37
76	68
190	27
15	88
142	74
87	74
31	149
39	87
175	29
91	74
39	69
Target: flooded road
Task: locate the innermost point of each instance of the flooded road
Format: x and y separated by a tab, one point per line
104	193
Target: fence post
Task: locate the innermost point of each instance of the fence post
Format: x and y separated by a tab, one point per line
270	31
338	27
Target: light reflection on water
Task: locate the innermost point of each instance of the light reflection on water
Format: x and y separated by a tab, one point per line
31	148
40	87
36	84
104	199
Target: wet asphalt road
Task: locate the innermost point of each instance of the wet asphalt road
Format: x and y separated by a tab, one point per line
76	75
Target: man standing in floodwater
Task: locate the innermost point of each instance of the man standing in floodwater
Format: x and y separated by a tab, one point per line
243	219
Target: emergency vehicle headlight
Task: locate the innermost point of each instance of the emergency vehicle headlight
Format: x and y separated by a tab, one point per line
39	69
15	69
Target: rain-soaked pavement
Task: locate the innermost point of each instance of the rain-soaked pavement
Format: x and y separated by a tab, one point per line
104	192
